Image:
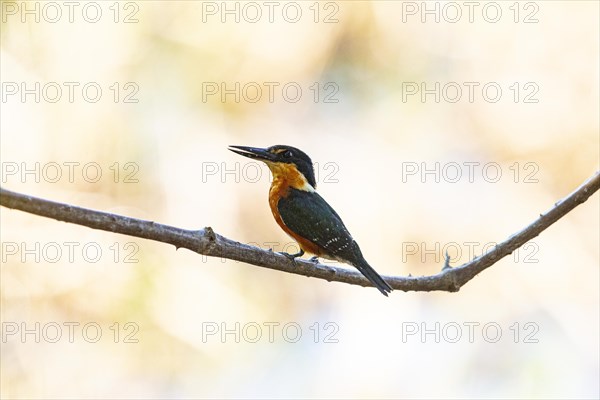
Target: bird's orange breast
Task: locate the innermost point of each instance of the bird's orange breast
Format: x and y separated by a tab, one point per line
285	177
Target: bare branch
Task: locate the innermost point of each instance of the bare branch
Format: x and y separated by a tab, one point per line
209	243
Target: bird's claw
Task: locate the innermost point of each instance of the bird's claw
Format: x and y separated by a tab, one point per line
314	259
292	257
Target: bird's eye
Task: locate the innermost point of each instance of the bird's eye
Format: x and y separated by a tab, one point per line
288	154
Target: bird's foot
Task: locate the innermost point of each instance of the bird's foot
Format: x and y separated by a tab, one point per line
314	259
292	257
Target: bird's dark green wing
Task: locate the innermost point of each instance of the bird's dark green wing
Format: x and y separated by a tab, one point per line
309	215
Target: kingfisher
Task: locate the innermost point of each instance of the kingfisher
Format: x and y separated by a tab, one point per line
303	214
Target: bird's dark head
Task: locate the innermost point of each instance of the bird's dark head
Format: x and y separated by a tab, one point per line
281	160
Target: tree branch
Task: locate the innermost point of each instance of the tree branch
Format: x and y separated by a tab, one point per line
209	243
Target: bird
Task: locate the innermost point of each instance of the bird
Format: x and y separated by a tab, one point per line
304	215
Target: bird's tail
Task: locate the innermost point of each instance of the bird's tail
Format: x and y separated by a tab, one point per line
368	271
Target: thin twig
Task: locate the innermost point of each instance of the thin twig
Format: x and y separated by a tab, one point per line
209	243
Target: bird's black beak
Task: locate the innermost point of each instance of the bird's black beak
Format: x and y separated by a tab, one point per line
253	152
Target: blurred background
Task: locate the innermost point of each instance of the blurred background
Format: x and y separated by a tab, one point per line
433	126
